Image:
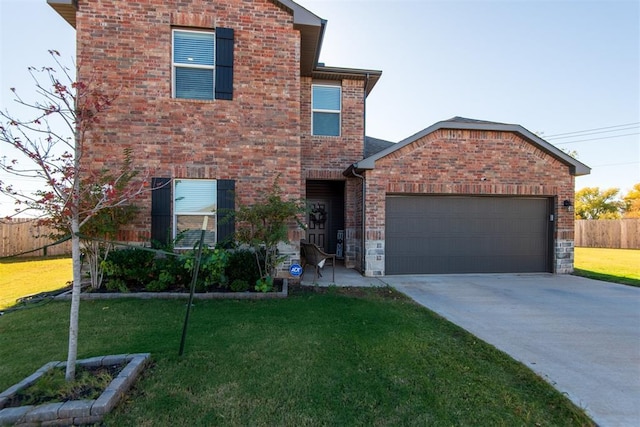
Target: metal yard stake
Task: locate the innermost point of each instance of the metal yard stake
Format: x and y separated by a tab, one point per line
193	284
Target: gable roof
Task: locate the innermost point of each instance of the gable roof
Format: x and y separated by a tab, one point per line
576	167
311	28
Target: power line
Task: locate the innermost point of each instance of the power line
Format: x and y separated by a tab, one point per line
597	139
594	133
616	164
591	130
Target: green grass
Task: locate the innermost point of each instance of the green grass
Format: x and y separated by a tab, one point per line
315	358
612	265
20	277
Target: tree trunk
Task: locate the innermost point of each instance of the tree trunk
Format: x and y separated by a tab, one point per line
75	302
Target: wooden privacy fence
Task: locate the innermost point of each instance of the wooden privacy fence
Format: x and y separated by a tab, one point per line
608	233
22	235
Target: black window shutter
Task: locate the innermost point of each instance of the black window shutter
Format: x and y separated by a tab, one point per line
226	209
224	63
161	210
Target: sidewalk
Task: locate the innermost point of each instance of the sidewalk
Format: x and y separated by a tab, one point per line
344	277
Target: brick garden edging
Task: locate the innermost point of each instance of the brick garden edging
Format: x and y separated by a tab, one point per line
185	295
73	412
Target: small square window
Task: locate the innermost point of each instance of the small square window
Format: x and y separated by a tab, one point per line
326	105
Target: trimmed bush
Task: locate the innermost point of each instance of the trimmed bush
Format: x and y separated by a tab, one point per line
242	266
127	268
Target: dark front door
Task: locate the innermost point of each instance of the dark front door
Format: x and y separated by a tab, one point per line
325	220
319	221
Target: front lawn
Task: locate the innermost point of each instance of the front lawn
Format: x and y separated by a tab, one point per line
331	357
612	265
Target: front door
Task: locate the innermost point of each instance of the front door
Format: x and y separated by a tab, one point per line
319	222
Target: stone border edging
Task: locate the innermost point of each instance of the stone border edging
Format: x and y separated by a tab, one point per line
182	295
74	412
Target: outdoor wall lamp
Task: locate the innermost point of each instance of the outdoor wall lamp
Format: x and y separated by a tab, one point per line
567	204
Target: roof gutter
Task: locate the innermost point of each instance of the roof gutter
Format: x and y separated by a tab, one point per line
323	26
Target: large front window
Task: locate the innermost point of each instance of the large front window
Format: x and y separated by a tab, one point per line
193	64
194	199
326	101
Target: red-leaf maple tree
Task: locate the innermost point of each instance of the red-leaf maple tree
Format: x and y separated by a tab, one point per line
51	143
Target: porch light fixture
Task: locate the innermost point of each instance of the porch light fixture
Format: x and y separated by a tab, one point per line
567	204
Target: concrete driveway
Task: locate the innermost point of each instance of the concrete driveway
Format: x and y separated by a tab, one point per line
581	335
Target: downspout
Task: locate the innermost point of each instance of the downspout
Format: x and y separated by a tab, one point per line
363	247
363	264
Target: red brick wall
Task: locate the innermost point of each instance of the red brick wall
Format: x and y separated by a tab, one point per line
469	162
326	157
127	46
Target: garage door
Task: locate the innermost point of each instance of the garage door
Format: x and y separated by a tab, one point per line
450	234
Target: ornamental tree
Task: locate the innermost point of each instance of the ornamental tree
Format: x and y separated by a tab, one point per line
265	224
50	143
594	203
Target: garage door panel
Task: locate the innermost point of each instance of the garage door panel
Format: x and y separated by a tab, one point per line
445	234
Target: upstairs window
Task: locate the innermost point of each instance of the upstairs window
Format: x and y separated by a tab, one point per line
326	104
193	64
203	64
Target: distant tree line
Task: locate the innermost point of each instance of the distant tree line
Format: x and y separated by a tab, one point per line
594	203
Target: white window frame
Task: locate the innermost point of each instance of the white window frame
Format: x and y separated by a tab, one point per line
212	221
338	112
175	64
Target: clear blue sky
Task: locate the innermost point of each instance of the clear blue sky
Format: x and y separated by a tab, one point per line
554	67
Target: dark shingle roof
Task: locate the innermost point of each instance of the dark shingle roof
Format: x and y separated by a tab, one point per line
458	119
375	145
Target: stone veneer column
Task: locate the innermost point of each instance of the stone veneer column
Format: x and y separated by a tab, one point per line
563	256
374	258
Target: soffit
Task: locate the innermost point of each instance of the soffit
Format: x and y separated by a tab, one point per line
66	9
371	77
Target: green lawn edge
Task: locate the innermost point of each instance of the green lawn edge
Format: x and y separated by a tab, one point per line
606	277
320	357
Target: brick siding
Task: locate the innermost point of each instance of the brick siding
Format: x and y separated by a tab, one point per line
252	138
472	163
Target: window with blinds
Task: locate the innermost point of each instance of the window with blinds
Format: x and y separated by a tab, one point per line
194	199
326	104
193	64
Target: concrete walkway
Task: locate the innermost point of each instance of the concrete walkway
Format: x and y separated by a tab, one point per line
581	335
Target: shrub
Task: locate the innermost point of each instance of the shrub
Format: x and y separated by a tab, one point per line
212	267
239	285
242	265
265	224
264	284
168	272
116	285
127	268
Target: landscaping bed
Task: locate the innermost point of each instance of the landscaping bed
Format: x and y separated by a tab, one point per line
36	399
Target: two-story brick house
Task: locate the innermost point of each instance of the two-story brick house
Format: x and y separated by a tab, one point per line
217	98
